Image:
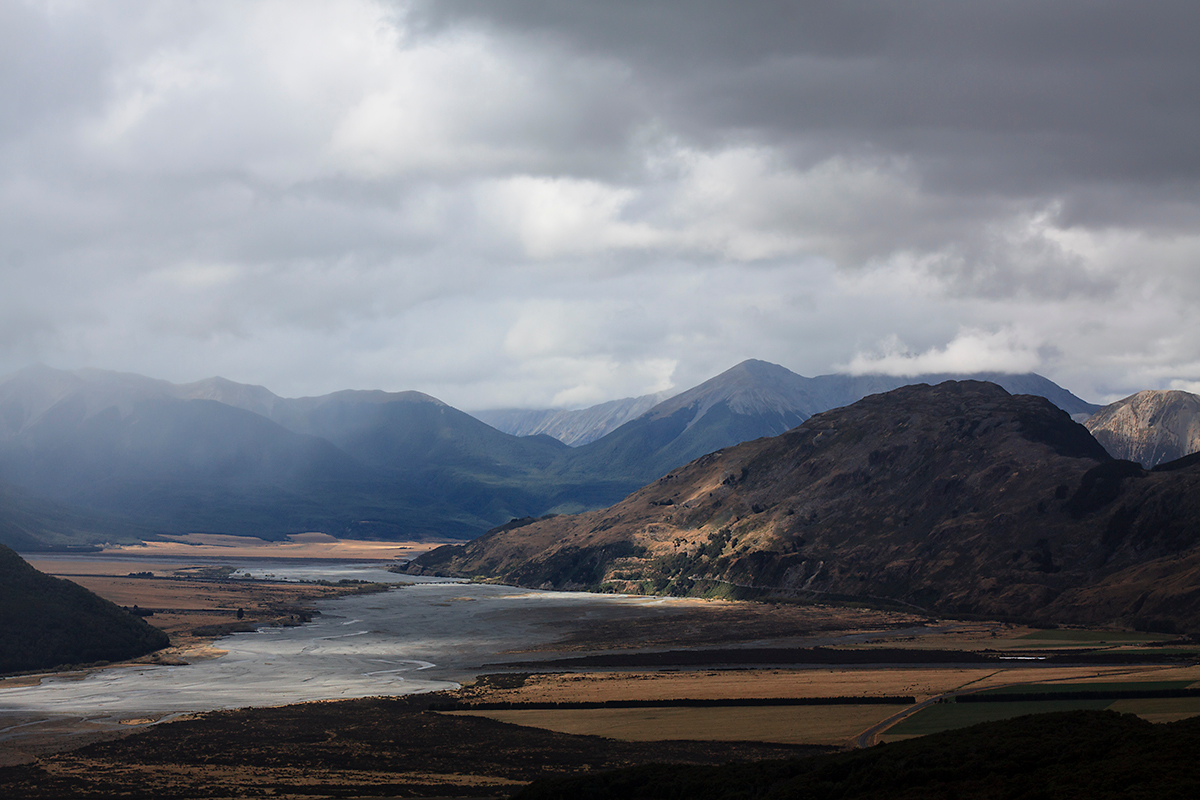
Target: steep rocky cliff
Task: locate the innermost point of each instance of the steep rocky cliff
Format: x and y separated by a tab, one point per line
1150	427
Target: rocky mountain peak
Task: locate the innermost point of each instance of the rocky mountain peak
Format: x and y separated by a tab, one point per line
751	387
1150	427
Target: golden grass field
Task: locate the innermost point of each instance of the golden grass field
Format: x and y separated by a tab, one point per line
920	682
828	725
297	545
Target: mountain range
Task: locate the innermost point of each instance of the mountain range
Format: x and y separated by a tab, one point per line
752	388
222	457
958	498
105	455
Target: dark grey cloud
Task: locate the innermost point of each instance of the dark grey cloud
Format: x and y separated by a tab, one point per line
510	203
1027	98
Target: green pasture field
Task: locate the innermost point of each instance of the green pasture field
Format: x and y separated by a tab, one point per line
949	716
1090	638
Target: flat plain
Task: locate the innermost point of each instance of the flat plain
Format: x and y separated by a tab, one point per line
397	745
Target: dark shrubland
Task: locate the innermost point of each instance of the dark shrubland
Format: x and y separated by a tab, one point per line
47	622
1072	754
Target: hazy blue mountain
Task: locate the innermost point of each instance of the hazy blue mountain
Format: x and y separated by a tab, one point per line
573	427
172	464
404	430
751	400
243	460
247	397
26	396
407	429
31	523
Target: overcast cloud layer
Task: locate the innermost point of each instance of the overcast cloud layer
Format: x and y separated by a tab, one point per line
552	203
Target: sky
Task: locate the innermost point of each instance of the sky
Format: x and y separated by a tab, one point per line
554	204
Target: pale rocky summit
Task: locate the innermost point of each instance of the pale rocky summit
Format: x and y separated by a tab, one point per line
1150	427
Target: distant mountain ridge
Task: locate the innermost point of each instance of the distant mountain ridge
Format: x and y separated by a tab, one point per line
1150	427
218	456
756	387
175	458
957	498
748	401
572	427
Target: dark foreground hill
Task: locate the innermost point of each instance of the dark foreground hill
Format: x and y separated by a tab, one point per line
1073	754
46	622
958	498
392	747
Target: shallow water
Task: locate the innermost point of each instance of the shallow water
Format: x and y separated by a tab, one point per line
423	637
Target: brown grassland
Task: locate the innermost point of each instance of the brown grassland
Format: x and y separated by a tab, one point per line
193	611
297	545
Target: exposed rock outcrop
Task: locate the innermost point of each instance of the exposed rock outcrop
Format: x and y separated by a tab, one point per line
1150	427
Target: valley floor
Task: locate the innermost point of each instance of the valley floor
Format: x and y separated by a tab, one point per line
501	731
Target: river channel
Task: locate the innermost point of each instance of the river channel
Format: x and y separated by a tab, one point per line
426	636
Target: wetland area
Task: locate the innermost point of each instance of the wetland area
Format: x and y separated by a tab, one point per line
468	689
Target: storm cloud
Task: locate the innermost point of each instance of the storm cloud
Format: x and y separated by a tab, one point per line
546	203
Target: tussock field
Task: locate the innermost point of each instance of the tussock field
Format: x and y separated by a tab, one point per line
856	682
